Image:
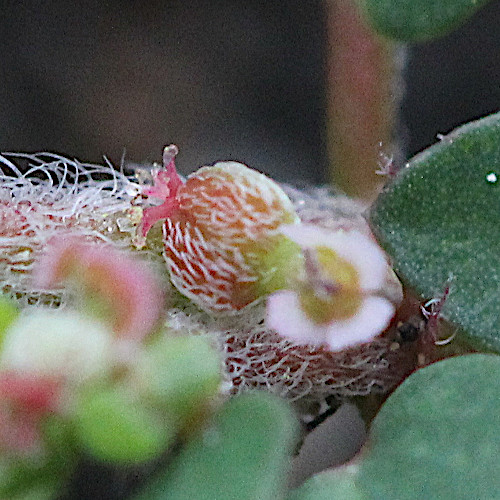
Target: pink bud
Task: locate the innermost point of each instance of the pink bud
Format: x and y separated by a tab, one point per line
124	286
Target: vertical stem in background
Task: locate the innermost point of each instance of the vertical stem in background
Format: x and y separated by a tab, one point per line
361	80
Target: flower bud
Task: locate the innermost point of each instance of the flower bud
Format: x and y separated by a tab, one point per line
221	233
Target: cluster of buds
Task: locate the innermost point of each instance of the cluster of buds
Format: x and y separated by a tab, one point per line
103	370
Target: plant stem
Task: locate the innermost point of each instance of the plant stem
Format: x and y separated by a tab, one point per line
362	99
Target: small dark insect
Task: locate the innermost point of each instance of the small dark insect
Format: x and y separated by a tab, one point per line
408	331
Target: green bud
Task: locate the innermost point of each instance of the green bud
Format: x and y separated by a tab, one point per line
181	374
116	427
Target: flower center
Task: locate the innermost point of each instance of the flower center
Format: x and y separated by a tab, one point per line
331	290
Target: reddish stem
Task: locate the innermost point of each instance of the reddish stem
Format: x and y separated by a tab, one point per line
361	70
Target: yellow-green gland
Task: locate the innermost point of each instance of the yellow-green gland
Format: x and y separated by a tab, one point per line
331	290
279	266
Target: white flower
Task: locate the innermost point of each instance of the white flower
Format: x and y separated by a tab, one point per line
338	301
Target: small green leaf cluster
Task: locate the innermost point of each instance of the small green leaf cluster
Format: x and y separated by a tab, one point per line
167	390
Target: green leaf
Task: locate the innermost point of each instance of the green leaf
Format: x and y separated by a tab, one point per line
116	428
47	491
243	456
336	484
33	488
441	218
437	435
418	20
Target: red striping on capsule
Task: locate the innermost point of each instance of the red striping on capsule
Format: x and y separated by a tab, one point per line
219	226
217	279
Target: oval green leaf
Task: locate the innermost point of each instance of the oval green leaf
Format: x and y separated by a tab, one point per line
418	20
115	428
244	455
437	435
336	484
440	218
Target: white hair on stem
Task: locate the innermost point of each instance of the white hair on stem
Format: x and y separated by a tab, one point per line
44	194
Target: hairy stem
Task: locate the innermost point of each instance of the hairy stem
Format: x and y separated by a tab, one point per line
363	95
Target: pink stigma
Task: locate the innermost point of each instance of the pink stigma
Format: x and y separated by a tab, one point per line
166	184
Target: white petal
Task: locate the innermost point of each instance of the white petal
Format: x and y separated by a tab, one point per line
366	256
307	235
359	250
393	289
373	317
286	317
